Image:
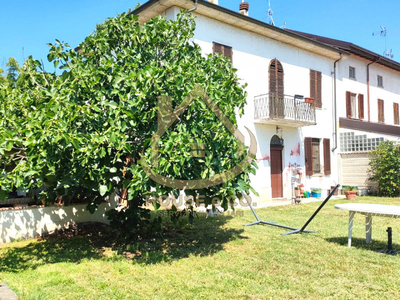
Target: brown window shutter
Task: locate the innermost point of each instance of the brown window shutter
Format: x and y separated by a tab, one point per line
316	87
308	155
396	113
318	84
279	76
217	48
272	78
361	106
348	104
327	156
222	49
312	84
228	52
381	111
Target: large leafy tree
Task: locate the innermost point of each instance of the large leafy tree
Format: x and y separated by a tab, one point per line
81	134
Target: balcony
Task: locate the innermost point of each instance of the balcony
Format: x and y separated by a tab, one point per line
287	111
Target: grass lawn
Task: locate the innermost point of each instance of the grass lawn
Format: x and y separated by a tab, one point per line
218	258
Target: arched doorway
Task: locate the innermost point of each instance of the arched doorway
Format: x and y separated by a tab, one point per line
276	147
276	89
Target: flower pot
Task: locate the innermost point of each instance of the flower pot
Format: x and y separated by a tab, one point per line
351	195
309	100
316	192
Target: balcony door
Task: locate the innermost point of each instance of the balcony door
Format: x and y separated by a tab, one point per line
276	147
276	91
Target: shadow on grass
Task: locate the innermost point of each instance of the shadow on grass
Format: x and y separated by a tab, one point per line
360	243
206	237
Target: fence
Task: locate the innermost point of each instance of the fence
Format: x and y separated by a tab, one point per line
30	222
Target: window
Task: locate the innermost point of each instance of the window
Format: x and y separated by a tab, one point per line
315	88
223	49
354	106
276	82
313	156
316	165
380	81
350	142
352	72
396	113
381	111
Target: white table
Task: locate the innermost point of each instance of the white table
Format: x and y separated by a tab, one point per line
368	210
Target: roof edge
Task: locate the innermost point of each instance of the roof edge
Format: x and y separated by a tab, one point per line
235	14
354	49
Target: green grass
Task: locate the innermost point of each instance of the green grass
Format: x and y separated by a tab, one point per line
218	258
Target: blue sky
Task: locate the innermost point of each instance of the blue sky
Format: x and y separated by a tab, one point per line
30	25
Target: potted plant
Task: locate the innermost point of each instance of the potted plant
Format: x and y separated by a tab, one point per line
309	100
350	192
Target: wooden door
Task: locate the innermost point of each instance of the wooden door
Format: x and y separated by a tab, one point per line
276	172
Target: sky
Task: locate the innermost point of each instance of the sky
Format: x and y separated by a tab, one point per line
27	26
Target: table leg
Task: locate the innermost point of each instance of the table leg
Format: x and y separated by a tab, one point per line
351	217
368	228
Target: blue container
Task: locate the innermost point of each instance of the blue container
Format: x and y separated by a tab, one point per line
315	195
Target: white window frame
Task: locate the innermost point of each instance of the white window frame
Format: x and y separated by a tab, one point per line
354	106
352	71
316	155
379	84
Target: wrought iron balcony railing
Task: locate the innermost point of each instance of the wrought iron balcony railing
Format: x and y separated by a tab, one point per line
269	108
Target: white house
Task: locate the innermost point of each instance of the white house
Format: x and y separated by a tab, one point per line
368	98
282	68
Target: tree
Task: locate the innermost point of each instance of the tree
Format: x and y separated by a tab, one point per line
81	134
385	168
3	79
12	71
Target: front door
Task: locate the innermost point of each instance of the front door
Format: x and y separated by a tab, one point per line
276	172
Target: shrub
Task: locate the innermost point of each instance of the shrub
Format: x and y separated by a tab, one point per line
385	168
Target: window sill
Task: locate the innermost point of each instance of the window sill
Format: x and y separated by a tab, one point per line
351	78
317	175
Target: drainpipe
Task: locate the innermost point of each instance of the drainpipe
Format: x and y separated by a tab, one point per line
334	103
369	107
194	8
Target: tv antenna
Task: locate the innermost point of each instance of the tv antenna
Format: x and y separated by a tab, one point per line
382	32
270	13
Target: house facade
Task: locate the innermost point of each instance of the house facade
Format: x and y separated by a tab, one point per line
368	113
368	107
286	70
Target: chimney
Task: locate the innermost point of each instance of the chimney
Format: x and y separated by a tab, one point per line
244	8
213	1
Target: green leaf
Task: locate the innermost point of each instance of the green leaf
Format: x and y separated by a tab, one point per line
113	104
103	190
3	195
9	145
